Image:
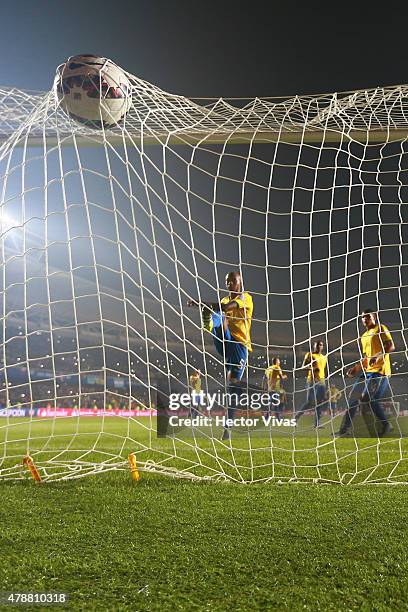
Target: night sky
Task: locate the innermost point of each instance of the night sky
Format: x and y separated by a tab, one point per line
208	48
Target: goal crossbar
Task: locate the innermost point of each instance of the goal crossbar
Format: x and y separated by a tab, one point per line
156	117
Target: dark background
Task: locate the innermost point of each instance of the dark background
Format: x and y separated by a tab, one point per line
209	48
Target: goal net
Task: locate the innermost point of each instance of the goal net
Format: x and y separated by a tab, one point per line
106	234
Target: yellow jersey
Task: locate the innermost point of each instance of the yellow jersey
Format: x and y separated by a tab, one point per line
239	320
334	394
195	383
317	367
372	343
274	376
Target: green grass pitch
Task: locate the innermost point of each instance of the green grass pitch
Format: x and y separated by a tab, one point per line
166	544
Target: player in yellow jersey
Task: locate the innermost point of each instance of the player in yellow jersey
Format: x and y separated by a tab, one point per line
229	321
272	383
316	364
195	386
195	381
334	394
373	385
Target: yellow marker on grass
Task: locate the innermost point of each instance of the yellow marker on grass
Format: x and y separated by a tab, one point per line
28	461
133	467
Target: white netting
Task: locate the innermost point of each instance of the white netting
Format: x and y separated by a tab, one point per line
106	233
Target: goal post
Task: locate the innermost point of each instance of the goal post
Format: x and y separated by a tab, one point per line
106	235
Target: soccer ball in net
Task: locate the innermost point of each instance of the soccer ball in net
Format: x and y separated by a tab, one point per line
93	90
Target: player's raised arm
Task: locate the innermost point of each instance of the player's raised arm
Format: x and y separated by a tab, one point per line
214	306
202	304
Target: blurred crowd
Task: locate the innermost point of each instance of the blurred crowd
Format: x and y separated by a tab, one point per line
39	369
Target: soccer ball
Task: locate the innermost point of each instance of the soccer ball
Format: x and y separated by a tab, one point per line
93	90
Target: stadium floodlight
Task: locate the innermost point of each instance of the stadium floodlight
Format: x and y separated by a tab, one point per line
6	223
305	197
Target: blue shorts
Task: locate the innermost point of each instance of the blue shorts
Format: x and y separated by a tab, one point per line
234	353
316	393
315	398
371	386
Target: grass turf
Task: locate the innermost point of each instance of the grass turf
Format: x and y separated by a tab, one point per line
163	544
206	546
